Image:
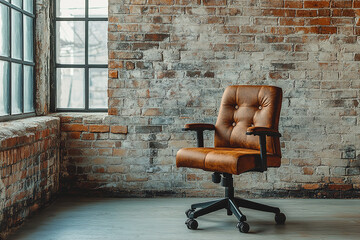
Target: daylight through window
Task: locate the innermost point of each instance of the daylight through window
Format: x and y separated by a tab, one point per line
16	58
81	55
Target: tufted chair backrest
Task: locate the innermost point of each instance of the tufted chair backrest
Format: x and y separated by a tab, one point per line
247	106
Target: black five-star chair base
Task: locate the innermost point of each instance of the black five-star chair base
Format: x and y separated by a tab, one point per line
232	204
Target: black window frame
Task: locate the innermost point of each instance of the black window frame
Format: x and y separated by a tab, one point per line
86	66
22	62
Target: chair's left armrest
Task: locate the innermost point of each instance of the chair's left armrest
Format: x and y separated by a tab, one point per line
262	131
199	128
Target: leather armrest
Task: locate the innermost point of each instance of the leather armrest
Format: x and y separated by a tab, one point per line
198	126
262	131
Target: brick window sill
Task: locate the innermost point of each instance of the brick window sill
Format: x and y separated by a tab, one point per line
23	131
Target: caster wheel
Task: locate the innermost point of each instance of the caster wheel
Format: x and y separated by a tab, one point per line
280	218
191	224
243	227
188	212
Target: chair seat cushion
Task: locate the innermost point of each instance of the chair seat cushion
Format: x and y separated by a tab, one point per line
224	160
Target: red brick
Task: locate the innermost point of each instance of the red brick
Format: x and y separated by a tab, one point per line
357	31
152	112
99	128
308	170
156	37
215	20
160	2
328	30
9	142
166	74
65	119
324	12
113	74
292	21
320	21
138	2
113	19
341	3
119	129
88	136
357	57
214	2
193	177
116	64
130	65
271	39
74	128
116	169
293	4
348	13
311	186
278	75
99	170
74	135
112	111
341	187
356	4
105	151
45	133
306	13
119	152
282	30
316	4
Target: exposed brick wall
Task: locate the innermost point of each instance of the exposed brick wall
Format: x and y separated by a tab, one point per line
170	60
29	168
92	151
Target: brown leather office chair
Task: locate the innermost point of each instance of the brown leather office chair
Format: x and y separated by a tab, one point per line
246	139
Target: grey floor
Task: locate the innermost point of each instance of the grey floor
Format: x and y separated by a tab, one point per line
163	218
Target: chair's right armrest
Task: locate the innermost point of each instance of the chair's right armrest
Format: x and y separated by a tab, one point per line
198	126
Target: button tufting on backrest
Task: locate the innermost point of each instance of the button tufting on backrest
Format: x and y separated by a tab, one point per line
247	106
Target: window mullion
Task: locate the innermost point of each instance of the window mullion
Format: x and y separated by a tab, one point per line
86	55
23	59
10	63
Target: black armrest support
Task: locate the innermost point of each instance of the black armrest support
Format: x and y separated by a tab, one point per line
199	128
262	132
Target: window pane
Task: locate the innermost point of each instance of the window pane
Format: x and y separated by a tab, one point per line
98	42
70	8
70	42
28	39
16	88
17	3
4	88
98	87
29	5
28	89
4	31
70	88
16	34
98	8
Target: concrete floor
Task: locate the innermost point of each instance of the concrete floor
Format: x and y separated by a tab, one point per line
163	218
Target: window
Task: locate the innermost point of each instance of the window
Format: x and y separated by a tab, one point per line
81	55
16	58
